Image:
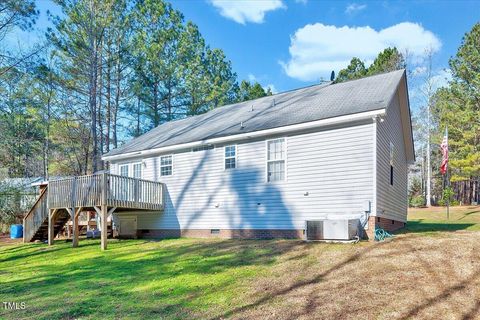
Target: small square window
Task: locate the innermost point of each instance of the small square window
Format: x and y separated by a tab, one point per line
166	165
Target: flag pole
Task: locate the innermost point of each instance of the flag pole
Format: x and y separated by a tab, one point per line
444	170
448	181
448	198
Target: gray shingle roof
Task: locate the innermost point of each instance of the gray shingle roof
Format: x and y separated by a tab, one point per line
297	106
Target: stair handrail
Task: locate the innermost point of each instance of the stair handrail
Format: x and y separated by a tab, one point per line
29	216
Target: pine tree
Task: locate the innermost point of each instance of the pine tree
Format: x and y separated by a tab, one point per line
458	107
355	70
387	60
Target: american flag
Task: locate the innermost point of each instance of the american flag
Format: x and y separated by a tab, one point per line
444	148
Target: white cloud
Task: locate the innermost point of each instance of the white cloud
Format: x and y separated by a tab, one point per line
317	49
252	77
354	8
418	71
247	10
441	78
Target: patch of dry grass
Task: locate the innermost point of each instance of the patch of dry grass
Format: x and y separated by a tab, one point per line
5	240
409	277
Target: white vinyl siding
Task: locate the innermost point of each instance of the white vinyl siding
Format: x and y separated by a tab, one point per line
392	200
334	166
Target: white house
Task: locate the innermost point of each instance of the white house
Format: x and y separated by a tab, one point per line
262	168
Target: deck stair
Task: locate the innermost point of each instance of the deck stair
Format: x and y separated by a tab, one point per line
36	221
102	193
61	219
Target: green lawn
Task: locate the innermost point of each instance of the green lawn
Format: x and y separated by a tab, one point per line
435	219
175	278
413	276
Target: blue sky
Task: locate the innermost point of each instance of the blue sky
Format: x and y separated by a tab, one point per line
290	44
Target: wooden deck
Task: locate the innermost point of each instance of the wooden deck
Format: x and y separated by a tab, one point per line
63	200
105	189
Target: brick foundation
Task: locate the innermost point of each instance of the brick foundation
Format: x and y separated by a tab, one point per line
222	233
373	222
384	223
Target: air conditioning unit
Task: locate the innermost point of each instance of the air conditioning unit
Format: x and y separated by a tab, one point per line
332	229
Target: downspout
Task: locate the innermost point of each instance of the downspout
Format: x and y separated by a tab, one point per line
373	210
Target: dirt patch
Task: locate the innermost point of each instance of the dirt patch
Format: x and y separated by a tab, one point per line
5	240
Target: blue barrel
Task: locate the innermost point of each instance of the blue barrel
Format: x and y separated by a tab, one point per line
16	231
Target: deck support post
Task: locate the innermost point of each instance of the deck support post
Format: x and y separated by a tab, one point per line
104	231
71	214
69	234
51	226
75	228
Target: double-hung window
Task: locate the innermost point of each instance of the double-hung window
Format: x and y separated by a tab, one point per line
133	170
230	157
136	188
276	156
124	170
129	190
137	170
166	165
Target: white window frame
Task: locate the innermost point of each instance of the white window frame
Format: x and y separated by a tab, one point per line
130	168
285	156
170	165
133	169
120	166
234	157
125	190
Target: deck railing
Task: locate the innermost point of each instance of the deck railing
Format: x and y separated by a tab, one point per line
105	189
35	217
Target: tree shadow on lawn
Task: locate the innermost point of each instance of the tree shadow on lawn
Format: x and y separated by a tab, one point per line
420	226
31	250
468	214
445	294
314	301
60	279
178	279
